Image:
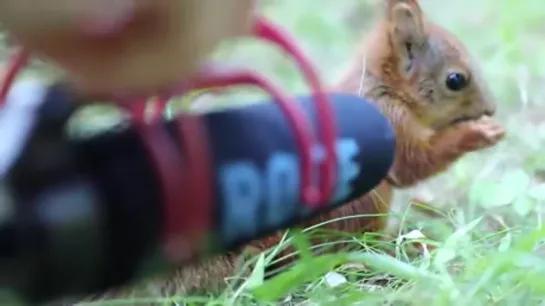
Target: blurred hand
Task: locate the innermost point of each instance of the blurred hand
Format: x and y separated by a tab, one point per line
125	45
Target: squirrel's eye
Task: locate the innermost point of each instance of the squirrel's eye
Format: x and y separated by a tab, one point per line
456	81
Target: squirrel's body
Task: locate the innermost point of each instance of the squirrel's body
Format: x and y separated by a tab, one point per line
422	78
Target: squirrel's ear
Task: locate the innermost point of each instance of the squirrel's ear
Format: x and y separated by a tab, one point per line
407	24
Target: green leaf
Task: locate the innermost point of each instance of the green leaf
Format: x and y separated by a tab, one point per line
477	191
461	233
523	205
443	256
502	262
448	251
518	181
537	192
388	264
505	242
258	273
302	244
494	194
306	271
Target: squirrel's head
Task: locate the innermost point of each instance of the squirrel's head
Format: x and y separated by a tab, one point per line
431	63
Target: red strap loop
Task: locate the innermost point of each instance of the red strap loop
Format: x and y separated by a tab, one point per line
16	63
310	195
197	153
296	118
268	31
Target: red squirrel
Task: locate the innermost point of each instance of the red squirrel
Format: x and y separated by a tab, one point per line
424	80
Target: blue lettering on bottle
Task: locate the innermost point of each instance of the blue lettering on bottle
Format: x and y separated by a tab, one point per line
348	168
242	193
244	189
282	186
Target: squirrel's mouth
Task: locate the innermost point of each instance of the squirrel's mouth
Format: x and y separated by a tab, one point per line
456	121
464	119
446	124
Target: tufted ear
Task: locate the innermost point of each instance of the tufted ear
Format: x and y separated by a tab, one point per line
407	21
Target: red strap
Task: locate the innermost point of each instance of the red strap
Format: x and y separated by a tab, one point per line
197	180
292	110
16	63
186	181
198	183
169	168
310	194
326	121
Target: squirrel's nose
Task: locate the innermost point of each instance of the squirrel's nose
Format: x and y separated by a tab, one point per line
487	102
490	109
490	112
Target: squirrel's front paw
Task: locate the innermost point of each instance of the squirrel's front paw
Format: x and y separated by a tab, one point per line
480	134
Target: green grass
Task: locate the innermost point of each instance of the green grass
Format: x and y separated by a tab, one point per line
488	241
